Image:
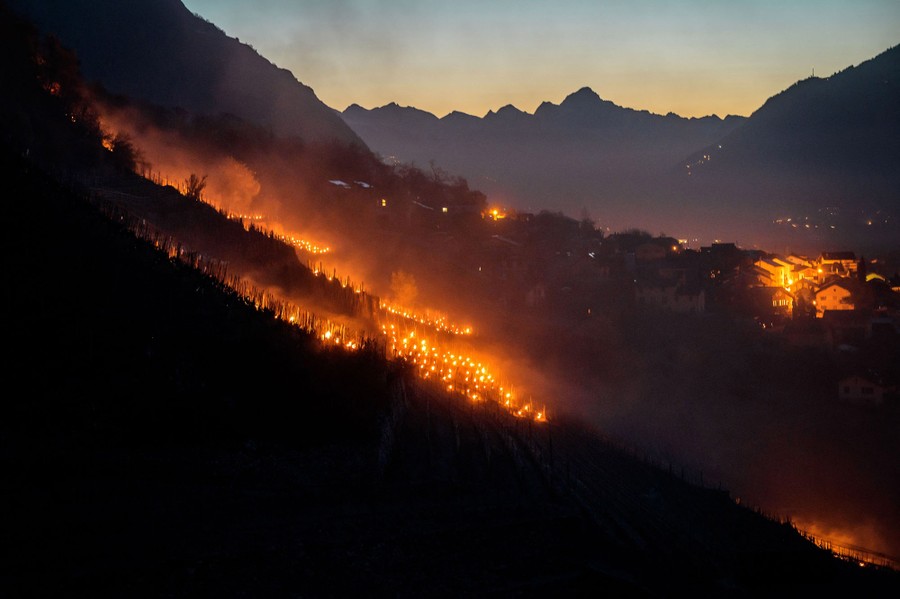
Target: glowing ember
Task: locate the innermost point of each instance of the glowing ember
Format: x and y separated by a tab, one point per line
462	376
437	322
303	244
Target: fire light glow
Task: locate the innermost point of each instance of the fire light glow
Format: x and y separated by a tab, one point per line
401	329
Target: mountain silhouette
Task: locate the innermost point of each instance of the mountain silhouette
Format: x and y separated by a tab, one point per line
825	150
849	119
156	50
585	152
177	437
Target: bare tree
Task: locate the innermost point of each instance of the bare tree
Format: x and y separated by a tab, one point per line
194	186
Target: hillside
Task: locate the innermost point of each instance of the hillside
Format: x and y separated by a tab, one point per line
823	152
175	439
168	435
156	50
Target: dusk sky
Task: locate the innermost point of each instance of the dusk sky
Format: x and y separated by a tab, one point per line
692	57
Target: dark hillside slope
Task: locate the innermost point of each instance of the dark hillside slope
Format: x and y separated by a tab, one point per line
158	51
172	439
843	123
824	152
161	437
108	327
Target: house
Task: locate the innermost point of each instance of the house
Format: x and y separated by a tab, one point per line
866	387
769	301
835	295
797	260
841	264
805	276
777	272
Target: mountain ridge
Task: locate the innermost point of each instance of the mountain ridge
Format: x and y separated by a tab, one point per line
578	155
820	142
185	61
580	98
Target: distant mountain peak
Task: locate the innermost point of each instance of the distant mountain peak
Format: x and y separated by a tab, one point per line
587	101
583	95
510	109
460	117
458	113
505	112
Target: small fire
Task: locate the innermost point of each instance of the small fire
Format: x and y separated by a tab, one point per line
462	375
439	323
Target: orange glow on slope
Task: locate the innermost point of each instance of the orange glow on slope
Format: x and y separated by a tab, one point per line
248	220
848	544
462	375
413	339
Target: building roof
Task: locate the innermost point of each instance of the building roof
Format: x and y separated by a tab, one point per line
838	256
780	262
770	262
799	260
842	283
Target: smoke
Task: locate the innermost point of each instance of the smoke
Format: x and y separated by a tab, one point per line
762	421
699	392
231	185
404	289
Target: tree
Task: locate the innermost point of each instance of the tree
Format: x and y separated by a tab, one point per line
125	155
194	186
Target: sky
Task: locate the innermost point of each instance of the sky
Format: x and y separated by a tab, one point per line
691	57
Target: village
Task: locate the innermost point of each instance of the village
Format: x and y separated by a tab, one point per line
543	266
835	301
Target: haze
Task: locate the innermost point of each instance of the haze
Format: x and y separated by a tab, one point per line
691	57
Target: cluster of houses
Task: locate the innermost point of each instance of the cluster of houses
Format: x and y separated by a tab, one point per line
855	306
832	300
829	282
766	286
